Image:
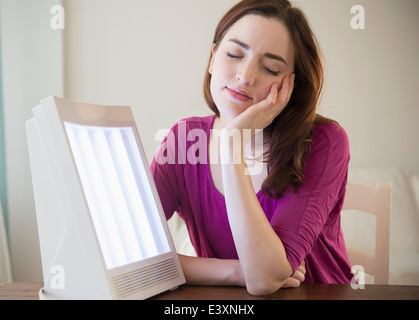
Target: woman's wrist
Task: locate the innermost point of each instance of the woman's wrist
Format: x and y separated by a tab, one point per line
234	274
231	146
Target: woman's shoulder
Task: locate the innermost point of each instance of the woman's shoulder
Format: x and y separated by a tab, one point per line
332	136
329	152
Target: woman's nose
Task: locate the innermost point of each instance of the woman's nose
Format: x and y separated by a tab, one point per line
246	73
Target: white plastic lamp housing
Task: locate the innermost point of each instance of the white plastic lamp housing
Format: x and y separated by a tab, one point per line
102	230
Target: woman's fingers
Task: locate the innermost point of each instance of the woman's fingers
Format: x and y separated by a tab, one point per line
291	283
297	278
298	275
285	93
281	99
261	114
273	95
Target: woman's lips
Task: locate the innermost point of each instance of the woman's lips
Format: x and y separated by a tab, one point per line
238	95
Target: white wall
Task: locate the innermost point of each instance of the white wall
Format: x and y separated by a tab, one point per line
373	76
32	70
152	55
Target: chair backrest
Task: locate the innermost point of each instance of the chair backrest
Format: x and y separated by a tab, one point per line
375	200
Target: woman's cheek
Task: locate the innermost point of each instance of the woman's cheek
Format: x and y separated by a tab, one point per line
264	92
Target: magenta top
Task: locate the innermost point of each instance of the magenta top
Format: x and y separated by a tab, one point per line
307	222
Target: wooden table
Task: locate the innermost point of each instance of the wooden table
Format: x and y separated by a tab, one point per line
304	292
29	291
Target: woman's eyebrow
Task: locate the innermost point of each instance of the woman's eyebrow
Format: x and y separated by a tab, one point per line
267	55
274	56
241	44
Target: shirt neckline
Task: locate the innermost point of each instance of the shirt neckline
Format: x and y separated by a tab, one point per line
208	168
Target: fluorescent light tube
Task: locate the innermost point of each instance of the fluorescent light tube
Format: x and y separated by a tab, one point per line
106	162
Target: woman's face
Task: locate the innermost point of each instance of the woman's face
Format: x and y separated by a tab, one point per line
255	53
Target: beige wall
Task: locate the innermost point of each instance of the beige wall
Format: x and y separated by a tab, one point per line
373	77
32	69
152	55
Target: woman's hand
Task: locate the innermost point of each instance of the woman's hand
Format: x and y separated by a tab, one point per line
297	278
261	114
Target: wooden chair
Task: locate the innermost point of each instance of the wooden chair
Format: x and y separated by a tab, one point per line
377	201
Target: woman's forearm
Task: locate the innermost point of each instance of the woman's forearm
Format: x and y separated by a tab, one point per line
211	271
219	272
261	252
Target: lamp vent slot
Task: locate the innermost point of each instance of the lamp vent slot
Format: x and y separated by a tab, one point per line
137	280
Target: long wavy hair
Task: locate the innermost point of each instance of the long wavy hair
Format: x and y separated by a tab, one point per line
291	132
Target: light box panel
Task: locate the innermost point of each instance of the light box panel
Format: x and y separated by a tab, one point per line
99	216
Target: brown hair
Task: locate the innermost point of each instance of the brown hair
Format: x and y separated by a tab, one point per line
291	132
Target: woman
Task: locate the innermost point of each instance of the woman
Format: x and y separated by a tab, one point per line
280	226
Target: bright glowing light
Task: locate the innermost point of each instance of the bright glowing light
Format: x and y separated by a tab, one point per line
123	214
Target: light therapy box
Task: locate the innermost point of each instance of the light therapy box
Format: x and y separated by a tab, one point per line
102	230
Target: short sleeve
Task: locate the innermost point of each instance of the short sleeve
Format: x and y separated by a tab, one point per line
301	218
165	174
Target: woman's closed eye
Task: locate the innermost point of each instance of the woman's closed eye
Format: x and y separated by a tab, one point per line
238	56
233	56
272	72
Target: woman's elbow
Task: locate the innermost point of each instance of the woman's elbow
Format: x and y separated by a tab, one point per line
269	281
264	288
